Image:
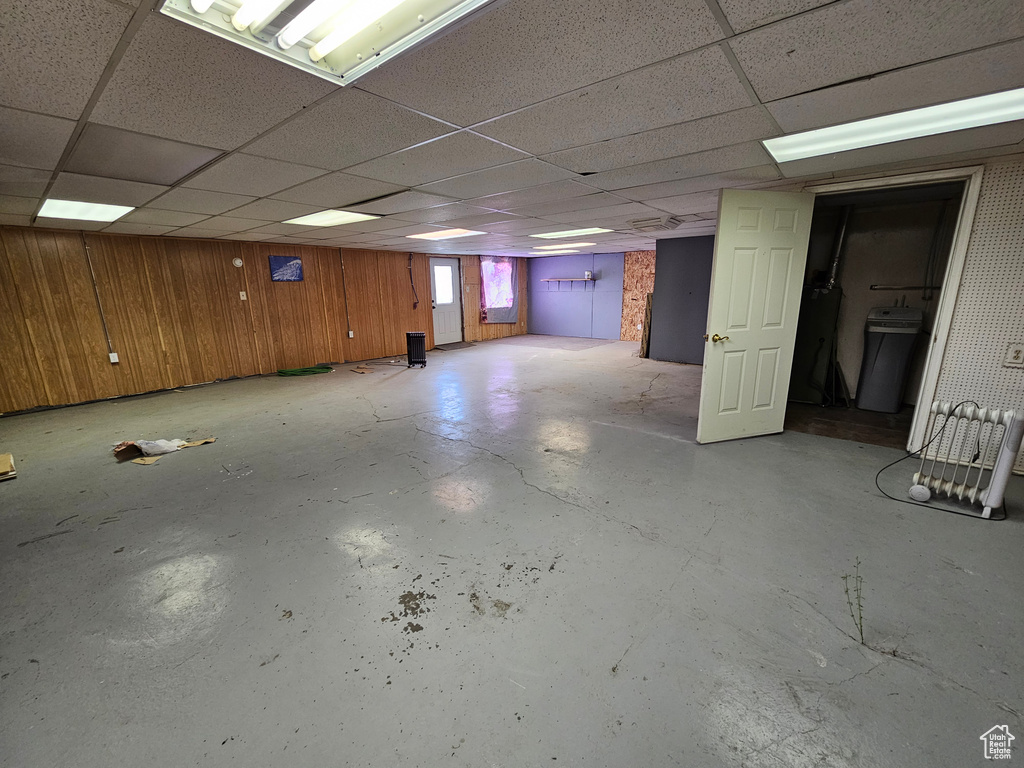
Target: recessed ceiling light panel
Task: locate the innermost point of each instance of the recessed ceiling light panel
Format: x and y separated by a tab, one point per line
339	40
572	233
79	211
331	218
560	246
445	234
913	124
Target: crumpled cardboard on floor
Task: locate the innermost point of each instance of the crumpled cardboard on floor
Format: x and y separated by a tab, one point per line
128	449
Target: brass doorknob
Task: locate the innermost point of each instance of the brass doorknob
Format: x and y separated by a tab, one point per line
717	338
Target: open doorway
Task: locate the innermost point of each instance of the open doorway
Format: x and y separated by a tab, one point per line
876	265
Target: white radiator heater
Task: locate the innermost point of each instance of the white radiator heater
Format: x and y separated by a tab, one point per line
972	456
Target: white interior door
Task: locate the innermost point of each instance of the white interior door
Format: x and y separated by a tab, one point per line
758	270
447	300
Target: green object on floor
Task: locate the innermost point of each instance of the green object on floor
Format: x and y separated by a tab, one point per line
305	371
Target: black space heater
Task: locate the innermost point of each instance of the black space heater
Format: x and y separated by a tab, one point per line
416	343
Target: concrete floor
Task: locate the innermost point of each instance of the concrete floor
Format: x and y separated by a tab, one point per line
513	557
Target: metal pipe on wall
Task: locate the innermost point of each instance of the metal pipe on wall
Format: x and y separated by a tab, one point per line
837	248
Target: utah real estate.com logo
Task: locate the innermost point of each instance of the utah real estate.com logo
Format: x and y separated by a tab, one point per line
997	742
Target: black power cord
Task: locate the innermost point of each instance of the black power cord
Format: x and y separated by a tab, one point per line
917	453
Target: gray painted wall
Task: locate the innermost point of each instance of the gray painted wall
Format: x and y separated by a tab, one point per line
682	286
588	310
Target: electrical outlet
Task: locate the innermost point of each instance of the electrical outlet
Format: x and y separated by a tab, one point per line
242	296
351	335
114	358
1014	355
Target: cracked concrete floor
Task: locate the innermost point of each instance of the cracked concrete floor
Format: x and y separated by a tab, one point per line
513	557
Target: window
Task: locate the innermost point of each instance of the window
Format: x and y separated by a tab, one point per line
497	283
443	284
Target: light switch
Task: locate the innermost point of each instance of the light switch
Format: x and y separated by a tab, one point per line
351	335
1014	355
114	358
242	296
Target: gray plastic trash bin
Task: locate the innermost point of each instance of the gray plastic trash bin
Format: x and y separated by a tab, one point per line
889	340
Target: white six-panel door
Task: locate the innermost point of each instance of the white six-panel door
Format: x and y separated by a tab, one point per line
756	279
447	300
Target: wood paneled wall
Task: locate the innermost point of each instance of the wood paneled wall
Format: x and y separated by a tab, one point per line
175	315
473	329
637	282
52	346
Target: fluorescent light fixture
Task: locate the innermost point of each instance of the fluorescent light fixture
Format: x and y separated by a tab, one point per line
73	209
560	246
315	14
915	123
445	234
572	233
351	21
338	40
551	253
253	13
331	218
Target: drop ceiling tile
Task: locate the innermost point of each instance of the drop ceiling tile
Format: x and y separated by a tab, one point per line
230	224
481	221
250	175
359	237
197	232
370	225
523	226
138	229
218	95
32	140
732	158
401	202
15	220
503	178
54	53
87	226
958	77
337	190
915	149
116	154
246	236
523	52
451	155
559	190
701	183
613	212
94	189
163	218
596	200
409	229
654	97
350	127
442	213
662	143
20	205
271	230
200	201
274	210
748	14
844	41
23	182
680	205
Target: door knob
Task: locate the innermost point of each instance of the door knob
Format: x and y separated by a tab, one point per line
717	338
